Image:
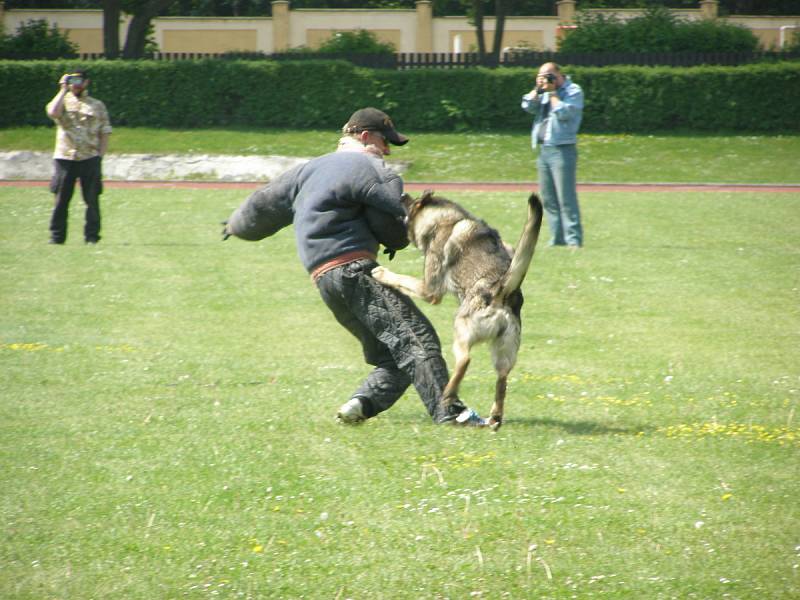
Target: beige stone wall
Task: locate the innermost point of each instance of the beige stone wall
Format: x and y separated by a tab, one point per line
454	34
88	39
424	22
209	40
768	29
176	34
310	27
466	40
407	30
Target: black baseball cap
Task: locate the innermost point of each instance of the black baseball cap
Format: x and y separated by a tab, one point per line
372	119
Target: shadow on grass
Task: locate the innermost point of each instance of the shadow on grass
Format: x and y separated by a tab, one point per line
145	244
576	428
579	427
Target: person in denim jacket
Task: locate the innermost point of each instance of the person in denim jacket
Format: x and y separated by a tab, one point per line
557	105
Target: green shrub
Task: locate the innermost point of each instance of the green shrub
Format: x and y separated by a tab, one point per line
323	94
714	36
657	30
34	39
346	43
355	42
594	31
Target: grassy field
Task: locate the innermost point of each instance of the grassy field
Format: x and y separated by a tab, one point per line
489	156
168	401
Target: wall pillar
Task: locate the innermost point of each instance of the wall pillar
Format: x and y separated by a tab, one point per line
424	26
709	9
566	11
280	25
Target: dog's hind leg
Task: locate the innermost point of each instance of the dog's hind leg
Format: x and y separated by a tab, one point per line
504	357
461	351
496	415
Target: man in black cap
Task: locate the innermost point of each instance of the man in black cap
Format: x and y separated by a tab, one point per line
345	205
372	119
340	253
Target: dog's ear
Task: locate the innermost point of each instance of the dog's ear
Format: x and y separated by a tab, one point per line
427	197
407	201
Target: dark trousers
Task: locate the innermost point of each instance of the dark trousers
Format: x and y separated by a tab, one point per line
396	337
65	174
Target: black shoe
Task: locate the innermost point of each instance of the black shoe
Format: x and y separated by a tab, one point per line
93	241
56	242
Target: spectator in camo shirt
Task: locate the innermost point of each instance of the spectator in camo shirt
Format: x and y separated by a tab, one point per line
83	129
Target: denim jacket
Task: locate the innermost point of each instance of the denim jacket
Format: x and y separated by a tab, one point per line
562	126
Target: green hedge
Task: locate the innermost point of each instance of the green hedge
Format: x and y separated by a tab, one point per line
322	94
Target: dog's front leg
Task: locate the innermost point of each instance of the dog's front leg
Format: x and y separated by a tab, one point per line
410	286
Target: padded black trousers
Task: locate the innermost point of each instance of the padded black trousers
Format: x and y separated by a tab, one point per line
396	337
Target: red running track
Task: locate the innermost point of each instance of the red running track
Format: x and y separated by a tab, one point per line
452	186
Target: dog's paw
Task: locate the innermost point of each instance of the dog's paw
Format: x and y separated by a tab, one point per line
380	274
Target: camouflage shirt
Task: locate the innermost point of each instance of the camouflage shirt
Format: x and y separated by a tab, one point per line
80	126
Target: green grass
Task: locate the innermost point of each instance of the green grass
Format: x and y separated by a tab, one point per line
166	415
490	156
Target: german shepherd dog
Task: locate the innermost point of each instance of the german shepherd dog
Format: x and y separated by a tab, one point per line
466	257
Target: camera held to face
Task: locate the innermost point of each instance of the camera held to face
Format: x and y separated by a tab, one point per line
549	78
74	80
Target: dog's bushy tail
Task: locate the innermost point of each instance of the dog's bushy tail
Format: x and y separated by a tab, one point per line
525	247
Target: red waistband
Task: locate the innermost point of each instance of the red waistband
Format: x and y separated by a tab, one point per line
341	260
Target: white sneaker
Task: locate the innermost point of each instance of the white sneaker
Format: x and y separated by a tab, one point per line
470	418
351	412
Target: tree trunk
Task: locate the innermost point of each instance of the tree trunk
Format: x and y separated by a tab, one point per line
111	12
499	27
136	38
477	7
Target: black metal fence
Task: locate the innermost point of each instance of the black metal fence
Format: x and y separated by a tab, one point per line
448	60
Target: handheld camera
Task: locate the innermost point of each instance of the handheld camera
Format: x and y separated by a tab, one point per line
549	78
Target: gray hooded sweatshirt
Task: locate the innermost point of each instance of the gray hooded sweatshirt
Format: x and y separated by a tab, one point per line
346	202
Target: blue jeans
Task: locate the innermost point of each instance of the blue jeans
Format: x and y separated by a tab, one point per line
558	186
